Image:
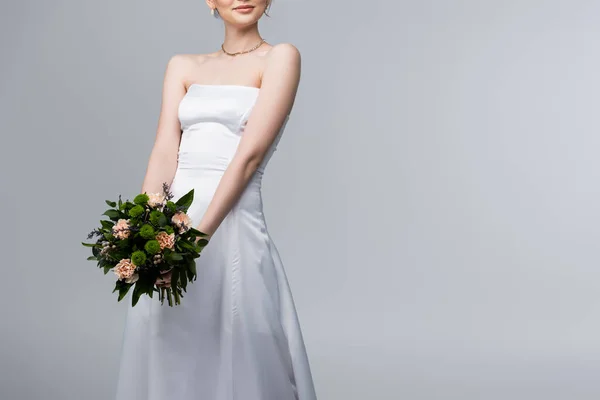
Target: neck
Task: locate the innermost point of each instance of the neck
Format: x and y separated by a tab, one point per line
241	39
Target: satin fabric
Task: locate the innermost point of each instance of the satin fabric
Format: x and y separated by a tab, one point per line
236	335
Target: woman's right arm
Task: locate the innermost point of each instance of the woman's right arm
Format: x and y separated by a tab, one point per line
162	163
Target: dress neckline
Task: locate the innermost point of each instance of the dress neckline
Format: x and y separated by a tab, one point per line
225	86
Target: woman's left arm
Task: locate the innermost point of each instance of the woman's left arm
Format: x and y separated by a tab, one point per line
279	85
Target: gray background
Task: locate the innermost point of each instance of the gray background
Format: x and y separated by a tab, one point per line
434	199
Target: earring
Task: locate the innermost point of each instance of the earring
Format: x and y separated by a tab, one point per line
212	11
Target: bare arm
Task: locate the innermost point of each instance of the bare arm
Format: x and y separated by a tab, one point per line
280	82
163	158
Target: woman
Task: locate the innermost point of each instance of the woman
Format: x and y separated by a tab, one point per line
236	334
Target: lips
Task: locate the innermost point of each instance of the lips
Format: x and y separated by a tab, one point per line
243	7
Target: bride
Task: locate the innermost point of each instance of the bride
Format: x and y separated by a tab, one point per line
236	334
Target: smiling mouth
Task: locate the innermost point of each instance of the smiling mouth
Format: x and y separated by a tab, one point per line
243	7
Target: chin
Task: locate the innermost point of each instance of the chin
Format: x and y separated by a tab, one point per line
244	19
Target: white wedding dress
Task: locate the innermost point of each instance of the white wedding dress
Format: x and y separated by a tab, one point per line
236	334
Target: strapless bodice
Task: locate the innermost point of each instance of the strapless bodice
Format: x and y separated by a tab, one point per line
213	119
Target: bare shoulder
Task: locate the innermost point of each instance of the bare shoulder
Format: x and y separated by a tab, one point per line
189	59
284	53
180	66
281	72
283	61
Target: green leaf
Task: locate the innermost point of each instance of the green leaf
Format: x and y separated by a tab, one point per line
119	255
177	297
137	292
123	243
196	232
186	245
112	214
107	268
122	287
92	258
107	224
173	256
108	236
174	277
123	291
162	220
202	242
186	200
190	275
192	269
91	244
111	203
183	279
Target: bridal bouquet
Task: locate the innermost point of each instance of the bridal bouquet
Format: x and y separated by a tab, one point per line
144	238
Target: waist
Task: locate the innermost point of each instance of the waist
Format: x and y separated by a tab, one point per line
208	150
197	162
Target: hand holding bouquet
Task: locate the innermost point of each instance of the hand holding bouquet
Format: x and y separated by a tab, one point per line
146	239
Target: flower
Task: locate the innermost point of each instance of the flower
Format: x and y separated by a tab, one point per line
152	246
138	257
125	269
136	211
157	218
133	278
156	200
141	199
166	240
147	231
182	221
121	229
171	206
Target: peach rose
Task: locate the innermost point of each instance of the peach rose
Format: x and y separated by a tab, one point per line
182	221
156	200
165	240
121	229
125	270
